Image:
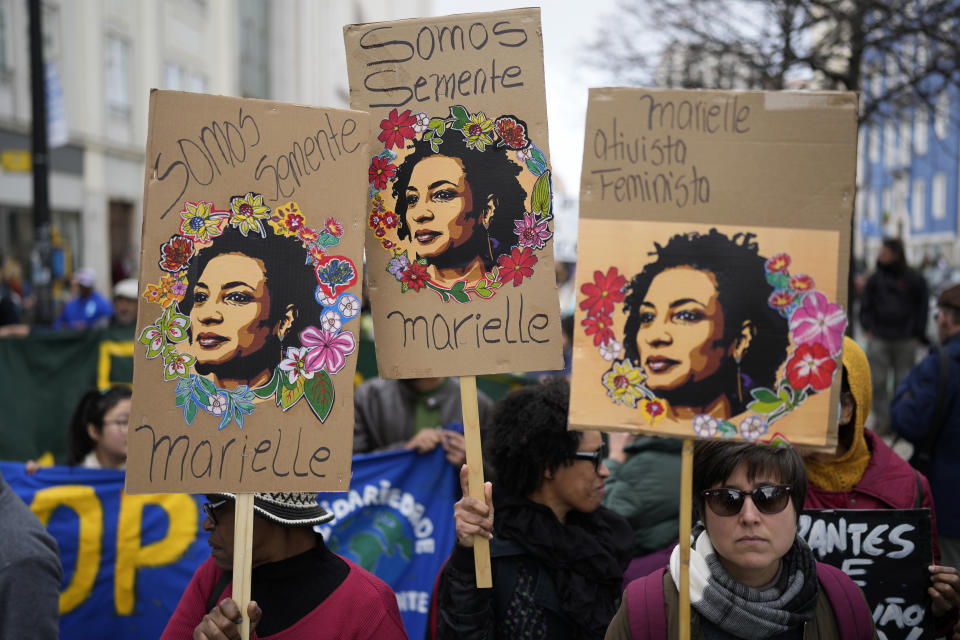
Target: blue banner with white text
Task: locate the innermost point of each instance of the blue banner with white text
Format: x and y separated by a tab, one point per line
127	558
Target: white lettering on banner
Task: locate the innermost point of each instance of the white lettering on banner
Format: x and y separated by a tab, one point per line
395	498
827	537
418	601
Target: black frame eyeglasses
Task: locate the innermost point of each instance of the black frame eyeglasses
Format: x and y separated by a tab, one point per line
596	457
210	509
727	501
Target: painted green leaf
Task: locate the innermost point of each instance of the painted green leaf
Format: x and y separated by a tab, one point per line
727	429
539	156
764	395
404	287
460	295
437	124
534	167
762	407
270	388
319	394
443	294
435	145
779	280
784	395
459	113
190	411
540	200
290	394
482	290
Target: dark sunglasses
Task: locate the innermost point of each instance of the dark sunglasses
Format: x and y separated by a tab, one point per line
596	457
210	508
768	499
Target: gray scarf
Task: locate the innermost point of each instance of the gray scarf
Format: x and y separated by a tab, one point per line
745	612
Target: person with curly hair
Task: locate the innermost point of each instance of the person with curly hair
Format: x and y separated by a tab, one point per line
557	555
248	297
700	326
457	208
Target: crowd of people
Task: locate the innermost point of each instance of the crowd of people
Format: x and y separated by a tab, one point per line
583	526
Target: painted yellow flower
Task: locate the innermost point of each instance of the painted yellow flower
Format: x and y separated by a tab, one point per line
248	211
287	219
199	221
170	289
653	410
476	131
624	383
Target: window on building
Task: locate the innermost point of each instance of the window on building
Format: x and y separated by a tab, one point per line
889	145
904	146
196	83
4	58
118	73
873	145
920	131
918	203
942	115
876	82
923	51
873	204
887	208
938	203
173	77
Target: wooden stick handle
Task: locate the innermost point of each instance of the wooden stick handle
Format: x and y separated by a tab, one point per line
242	558
686	511
471	433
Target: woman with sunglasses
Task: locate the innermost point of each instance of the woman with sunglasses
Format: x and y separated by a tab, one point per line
557	555
751	575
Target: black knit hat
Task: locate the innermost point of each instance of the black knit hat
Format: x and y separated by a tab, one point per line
289	509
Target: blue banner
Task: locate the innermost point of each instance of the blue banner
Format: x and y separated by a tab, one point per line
397	522
127	558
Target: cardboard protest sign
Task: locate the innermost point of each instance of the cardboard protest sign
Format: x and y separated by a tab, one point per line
250	268
460	225
713	250
886	552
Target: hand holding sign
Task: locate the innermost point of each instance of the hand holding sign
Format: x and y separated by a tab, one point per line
945	592
473	517
223	621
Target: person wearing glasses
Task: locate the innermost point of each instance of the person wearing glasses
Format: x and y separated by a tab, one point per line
299	588
751	575
557	555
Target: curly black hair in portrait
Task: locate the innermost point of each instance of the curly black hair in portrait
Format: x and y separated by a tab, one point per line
742	292
529	435
490	173
291	281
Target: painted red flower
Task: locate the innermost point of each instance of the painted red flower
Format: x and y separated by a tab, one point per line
801	282
386	244
778	263
333	227
415	276
397	129
375	221
390	219
603	292
811	365
512	133
600	327
781	299
176	253
381	171
307	235
379	232
518	265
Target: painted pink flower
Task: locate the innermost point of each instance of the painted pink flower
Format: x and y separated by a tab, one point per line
328	351
819	321
531	232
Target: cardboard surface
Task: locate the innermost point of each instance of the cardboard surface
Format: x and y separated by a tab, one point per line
773	175
459	231
250	273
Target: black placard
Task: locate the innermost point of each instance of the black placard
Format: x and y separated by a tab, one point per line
886	552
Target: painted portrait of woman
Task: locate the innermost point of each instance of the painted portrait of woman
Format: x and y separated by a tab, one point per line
700	326
247	298
461	203
458	208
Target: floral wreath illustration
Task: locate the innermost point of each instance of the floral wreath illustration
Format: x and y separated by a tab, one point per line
816	328
304	371
479	132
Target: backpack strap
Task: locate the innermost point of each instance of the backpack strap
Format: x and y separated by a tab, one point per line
218	589
645	607
919	502
849	607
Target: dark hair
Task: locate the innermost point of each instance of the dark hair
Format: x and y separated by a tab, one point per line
489	173
895	245
91	409
530	436
742	292
289	279
716	460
